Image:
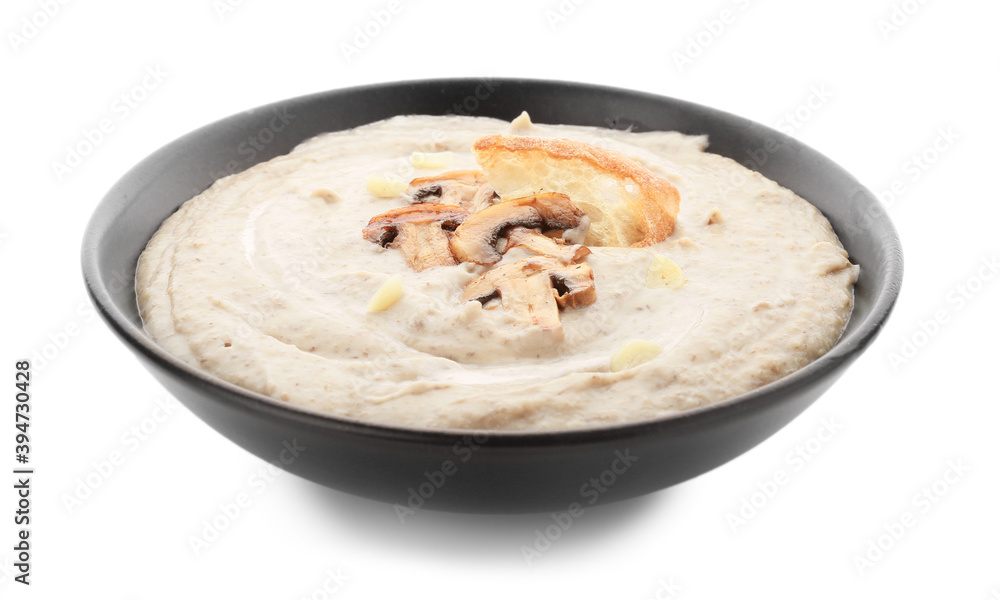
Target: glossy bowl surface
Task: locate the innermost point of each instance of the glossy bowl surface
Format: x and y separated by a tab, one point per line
484	471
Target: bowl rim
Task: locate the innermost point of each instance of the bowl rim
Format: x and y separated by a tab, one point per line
848	347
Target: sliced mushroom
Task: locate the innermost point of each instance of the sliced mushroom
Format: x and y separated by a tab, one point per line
485	197
574	285
544	245
476	239
467	189
535	289
420	231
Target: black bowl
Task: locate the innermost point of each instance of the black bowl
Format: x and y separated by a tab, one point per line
484	471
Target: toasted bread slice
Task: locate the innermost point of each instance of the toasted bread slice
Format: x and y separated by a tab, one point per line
627	205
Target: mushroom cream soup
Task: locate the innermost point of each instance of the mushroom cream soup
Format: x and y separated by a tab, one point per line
464	272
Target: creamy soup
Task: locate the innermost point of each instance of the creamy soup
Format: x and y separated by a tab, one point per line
265	280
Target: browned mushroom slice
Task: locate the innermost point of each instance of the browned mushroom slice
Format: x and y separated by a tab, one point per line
476	239
420	231
485	197
467	189
574	285
535	289
542	244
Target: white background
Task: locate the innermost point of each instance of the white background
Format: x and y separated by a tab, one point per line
879	96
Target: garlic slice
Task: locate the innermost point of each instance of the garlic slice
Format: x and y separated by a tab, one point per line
633	354
384	187
664	273
387	295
